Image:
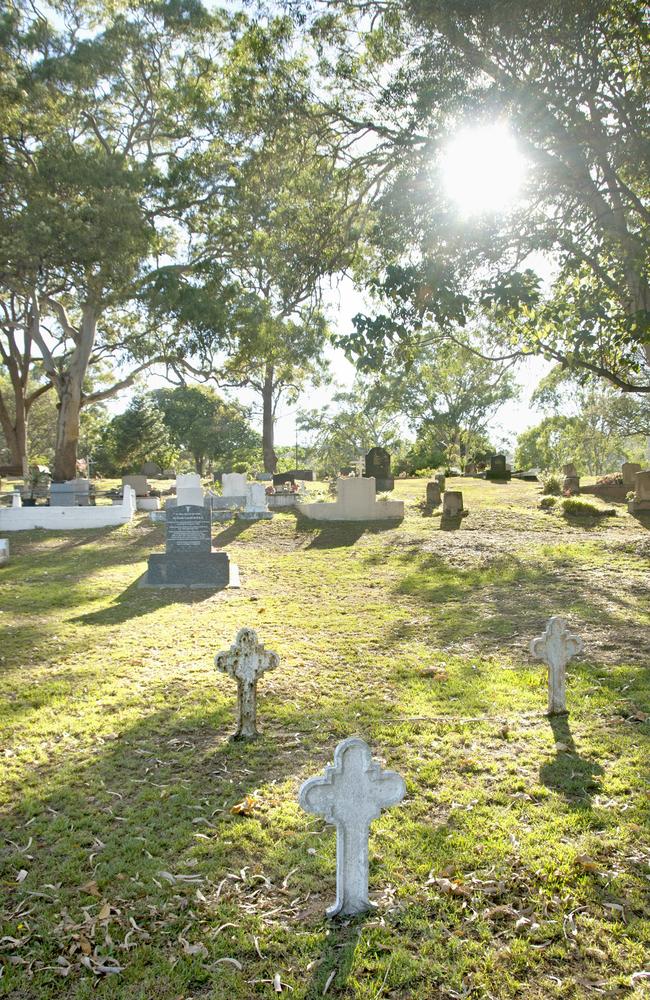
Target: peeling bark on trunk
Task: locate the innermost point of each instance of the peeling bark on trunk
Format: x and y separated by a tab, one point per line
268	422
15	428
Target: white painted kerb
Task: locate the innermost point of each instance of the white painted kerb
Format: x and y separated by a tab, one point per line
19	518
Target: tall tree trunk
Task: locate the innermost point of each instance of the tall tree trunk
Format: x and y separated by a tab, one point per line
268	422
199	462
15	428
70	392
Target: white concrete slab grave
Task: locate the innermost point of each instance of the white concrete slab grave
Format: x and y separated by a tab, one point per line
556	647
352	793
356	501
19	518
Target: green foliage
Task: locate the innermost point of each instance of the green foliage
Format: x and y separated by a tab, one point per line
574	507
547	71
546	503
136	436
212	430
552	484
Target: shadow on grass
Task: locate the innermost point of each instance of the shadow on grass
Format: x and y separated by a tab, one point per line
231	533
571	775
135	602
337	957
642	518
341	534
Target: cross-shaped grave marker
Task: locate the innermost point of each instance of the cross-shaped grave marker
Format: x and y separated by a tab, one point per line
353	793
556	647
246	660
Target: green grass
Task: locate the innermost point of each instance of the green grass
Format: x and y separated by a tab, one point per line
517	865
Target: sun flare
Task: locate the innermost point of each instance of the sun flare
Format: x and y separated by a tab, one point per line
483	169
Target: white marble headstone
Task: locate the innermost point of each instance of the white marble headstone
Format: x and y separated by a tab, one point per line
246	661
352	793
556	647
233	484
189	490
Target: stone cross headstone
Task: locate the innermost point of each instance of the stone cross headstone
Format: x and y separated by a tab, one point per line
353	793
556	647
246	661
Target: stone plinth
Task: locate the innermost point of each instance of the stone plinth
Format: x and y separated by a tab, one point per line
356	501
73	493
147	503
571	484
256	508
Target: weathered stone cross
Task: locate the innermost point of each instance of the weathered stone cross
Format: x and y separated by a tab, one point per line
352	794
556	647
246	660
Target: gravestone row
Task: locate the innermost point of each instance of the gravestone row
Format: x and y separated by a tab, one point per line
354	789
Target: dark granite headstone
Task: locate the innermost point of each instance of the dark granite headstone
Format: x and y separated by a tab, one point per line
497	468
189	560
378	465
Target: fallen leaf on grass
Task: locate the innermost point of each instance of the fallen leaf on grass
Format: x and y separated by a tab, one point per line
194	949
92	889
245	807
561	747
449	888
22	875
104	912
586	863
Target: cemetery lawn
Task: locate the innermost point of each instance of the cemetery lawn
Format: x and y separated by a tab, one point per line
517	866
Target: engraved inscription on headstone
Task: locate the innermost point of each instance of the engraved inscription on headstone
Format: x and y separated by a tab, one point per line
188	529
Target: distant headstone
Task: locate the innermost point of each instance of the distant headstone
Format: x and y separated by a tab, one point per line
352	793
556	647
569	470
356	501
137	483
470	469
264	477
641	501
168	474
233	484
150	469
73	493
293	475
378	467
452	504
4	551
188	560
433	494
256	508
629	470
189	490
498	468
441	481
246	661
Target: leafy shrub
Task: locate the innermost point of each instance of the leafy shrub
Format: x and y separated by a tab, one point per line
547	502
551	485
581	508
425	473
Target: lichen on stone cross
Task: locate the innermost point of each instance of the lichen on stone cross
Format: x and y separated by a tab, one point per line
556	647
352	793
246	661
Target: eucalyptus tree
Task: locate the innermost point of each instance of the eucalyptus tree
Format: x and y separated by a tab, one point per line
571	82
100	104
